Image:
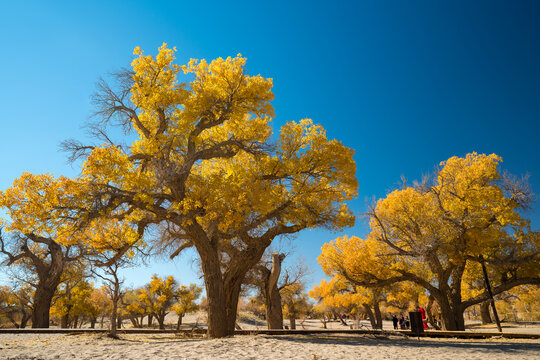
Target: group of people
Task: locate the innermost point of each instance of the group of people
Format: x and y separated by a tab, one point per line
404	323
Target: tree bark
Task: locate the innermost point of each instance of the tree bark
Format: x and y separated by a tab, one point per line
113	319
42	304
292	322
274	312
179	322
223	289
150	318
429	314
451	313
161	321
378	316
64	321
217	308
484	313
25	317
369	313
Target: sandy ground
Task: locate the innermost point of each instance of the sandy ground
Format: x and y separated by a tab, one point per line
170	346
142	347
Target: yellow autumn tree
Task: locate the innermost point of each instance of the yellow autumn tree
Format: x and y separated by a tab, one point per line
430	233
185	301
295	303
351	300
16	304
48	232
40	238
158	297
206	166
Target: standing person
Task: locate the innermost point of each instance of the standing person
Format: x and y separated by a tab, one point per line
395	321
424	319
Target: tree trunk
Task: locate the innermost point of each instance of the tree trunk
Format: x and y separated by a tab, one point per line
369	313
232	291
274	313
217	313
150	318
215	290
292	322
429	314
42	305
451	313
484	313
223	290
25	318
113	318
118	321
378	316
64	321
179	323
161	321
93	321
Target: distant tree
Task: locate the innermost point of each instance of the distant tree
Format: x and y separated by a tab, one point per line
295	303
346	298
16	304
270	280
39	242
133	307
185	301
158	296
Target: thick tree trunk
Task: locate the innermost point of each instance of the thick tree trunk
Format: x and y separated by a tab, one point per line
161	321
223	290
42	305
452	314
378	316
369	313
484	313
93	321
64	321
232	290
150	318
217	307
292	322
432	321
274	312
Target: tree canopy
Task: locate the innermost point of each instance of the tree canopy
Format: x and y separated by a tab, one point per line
436	232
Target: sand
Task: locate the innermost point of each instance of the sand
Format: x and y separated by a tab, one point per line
142	347
170	346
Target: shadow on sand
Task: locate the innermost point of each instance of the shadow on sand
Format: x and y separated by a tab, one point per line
476	345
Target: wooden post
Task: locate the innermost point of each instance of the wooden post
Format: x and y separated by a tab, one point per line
488	287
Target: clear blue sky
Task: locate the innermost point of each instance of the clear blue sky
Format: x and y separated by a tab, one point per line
407	84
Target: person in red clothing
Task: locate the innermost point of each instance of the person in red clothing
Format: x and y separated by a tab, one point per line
424	322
